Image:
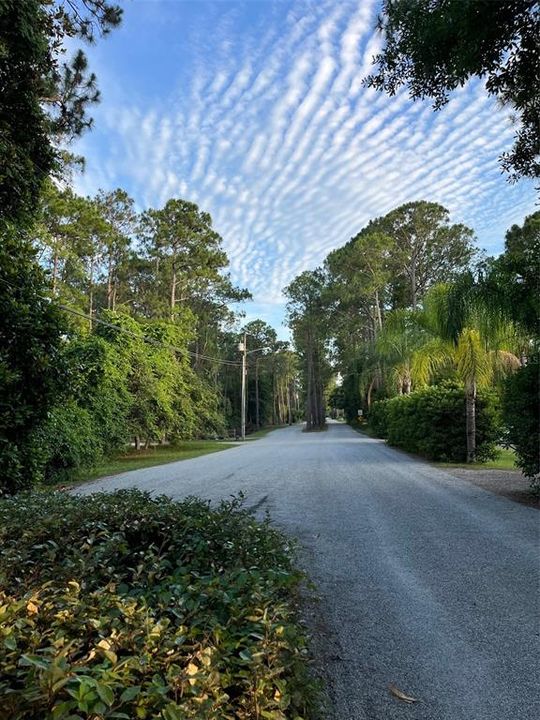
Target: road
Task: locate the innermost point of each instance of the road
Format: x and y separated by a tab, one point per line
426	582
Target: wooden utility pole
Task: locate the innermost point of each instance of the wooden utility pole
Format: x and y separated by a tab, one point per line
243	348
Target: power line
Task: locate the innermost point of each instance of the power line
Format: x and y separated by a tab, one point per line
150	341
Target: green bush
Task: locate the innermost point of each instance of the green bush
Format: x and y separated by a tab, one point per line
521	413
127	606
431	422
68	442
377	418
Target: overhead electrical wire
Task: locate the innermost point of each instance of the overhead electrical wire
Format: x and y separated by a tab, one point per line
145	338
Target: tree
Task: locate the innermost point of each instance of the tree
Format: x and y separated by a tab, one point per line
31	331
308	319
397	345
44	100
435	47
359	274
469	336
521	412
118	211
261	339
56	232
427	249
511	281
185	249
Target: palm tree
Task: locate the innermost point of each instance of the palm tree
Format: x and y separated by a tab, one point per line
471	338
399	340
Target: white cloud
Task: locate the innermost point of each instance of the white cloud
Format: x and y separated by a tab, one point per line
275	135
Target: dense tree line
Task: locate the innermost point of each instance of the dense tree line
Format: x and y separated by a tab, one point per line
407	304
149	347
115	323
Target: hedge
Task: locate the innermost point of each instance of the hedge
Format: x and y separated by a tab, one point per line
126	606
431	423
521	412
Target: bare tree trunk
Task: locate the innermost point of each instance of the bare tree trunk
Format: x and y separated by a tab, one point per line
309	390
55	270
289	408
110	283
413	283
114	293
137	442
470	422
173	292
378	311
257	407
369	391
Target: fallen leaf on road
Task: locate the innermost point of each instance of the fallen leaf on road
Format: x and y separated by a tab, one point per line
396	692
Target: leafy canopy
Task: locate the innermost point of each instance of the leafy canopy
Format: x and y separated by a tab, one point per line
434	47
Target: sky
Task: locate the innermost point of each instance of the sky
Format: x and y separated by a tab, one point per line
256	111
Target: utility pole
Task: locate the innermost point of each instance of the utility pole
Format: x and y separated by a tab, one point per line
243	348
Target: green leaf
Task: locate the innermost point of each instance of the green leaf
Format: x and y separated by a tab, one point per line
130	693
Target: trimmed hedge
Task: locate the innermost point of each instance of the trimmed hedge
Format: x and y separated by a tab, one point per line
126	606
431	422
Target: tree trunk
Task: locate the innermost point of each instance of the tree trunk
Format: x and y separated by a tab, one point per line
137	442
257	409
289	408
173	291
309	390
55	270
407	383
369	391
470	422
378	311
413	283
110	283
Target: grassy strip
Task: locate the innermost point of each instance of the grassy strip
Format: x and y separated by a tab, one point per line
264	431
126	606
159	455
505	461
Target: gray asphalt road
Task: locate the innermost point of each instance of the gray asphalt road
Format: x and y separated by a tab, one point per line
425	581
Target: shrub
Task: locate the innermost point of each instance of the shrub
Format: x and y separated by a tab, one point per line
431	422
377	418
68	441
521	413
127	606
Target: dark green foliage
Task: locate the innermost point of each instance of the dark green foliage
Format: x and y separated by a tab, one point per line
431	422
125	606
69	440
435	47
378	418
43	99
512	281
30	359
26	156
521	413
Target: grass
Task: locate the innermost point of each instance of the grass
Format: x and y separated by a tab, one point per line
364	430
505	461
263	431
159	455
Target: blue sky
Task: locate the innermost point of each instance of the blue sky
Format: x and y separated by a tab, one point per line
255	110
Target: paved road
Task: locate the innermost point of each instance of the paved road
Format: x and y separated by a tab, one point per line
426	581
